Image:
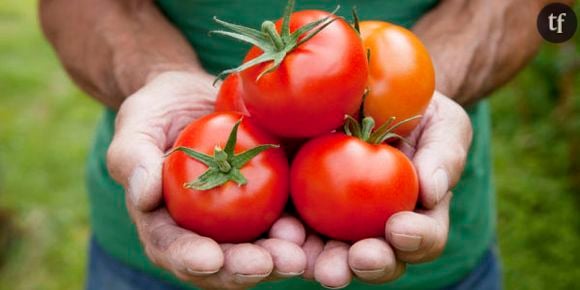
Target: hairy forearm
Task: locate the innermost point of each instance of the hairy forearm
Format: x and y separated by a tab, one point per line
478	45
111	48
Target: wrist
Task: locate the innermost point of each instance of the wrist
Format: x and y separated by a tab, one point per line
129	79
169	100
177	70
447	84
177	85
197	83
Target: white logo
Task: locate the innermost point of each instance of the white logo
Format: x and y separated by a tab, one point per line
559	20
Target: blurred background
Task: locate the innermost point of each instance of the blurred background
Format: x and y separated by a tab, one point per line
46	127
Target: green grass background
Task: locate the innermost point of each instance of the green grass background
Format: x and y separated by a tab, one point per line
46	125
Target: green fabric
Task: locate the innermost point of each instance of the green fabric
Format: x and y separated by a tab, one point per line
472	211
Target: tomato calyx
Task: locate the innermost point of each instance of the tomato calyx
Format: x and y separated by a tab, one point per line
224	165
274	45
365	132
355	20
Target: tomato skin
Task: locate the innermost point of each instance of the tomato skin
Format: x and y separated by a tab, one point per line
347	189
401	75
228	213
229	98
314	87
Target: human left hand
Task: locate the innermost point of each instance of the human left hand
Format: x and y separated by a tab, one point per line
442	141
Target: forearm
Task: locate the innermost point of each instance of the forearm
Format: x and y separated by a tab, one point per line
478	45
111	48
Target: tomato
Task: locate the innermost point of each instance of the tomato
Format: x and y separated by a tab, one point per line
231	211
314	84
401	77
346	188
229	98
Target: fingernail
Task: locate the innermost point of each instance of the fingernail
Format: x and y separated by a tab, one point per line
369	274
252	275
289	274
249	278
137	184
373	271
441	183
405	242
201	273
334	287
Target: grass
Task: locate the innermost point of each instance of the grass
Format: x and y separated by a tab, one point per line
536	142
46	126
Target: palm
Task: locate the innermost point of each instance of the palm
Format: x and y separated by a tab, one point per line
440	147
146	127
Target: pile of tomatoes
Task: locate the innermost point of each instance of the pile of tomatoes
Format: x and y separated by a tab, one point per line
306	76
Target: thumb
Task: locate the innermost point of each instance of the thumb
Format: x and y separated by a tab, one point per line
442	149
134	160
146	124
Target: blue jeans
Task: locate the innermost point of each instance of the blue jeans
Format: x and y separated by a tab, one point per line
106	273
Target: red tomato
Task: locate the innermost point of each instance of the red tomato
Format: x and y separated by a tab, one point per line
229	98
347	189
401	75
315	85
229	212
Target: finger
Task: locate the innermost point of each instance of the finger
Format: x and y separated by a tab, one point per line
288	228
226	246
245	265
289	259
373	261
331	269
441	149
419	237
399	270
180	251
139	171
312	247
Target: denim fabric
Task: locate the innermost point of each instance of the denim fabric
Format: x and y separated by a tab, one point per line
486	276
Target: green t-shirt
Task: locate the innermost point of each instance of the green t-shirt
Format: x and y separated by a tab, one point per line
472	209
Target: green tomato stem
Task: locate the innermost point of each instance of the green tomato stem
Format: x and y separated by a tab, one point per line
365	132
224	165
270	28
275	46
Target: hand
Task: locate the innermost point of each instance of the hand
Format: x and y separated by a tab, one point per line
147	124
442	142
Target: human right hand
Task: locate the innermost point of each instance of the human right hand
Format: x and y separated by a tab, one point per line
147	124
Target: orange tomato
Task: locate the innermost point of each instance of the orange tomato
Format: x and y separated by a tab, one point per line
401	78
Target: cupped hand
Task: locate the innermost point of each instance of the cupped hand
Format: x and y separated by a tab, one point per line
146	126
441	141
